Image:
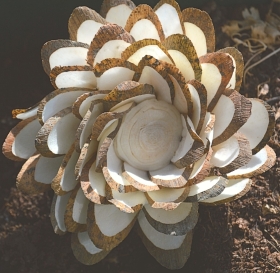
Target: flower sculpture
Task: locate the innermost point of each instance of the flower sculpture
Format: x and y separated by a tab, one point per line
145	122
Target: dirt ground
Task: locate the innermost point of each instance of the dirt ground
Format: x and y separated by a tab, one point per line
242	236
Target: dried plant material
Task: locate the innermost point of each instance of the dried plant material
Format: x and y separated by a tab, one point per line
15	147
109	42
171	9
83	24
146	122
37	173
177	222
117	11
142	18
184	55
57	101
235	189
75	217
57	213
65	179
108	236
169	250
84	249
198	23
63	53
68	76
215	64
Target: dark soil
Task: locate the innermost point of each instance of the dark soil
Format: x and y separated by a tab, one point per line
242	236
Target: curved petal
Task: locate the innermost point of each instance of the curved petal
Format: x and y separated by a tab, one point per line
57	101
37	174
75	217
171	10
63	53
259	126
176	222
109	42
65	179
184	55
143	23
57	213
93	183
200	30
108	226
117	11
50	140
19	143
83	24
217	69
238	63
235	189
170	251
84	249
72	76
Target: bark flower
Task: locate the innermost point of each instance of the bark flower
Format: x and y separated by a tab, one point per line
145	122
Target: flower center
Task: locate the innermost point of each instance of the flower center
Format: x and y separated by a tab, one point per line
149	135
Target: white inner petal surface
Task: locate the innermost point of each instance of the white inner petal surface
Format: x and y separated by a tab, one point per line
255	127
169	172
87	243
185	144
169	19
112	77
60	208
111	49
68	56
138	175
114	166
196	35
197	166
87	31
97	180
68	180
84	79
97	110
80	207
144	29
130	199
211	78
166	195
118	15
225	152
46	169
170	217
256	162
111	220
152	50
149	135
224	111
24	145
152	77
59	102
28	114
87	102
196	105
204	185
160	240
179	101
182	62
63	134
234	187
